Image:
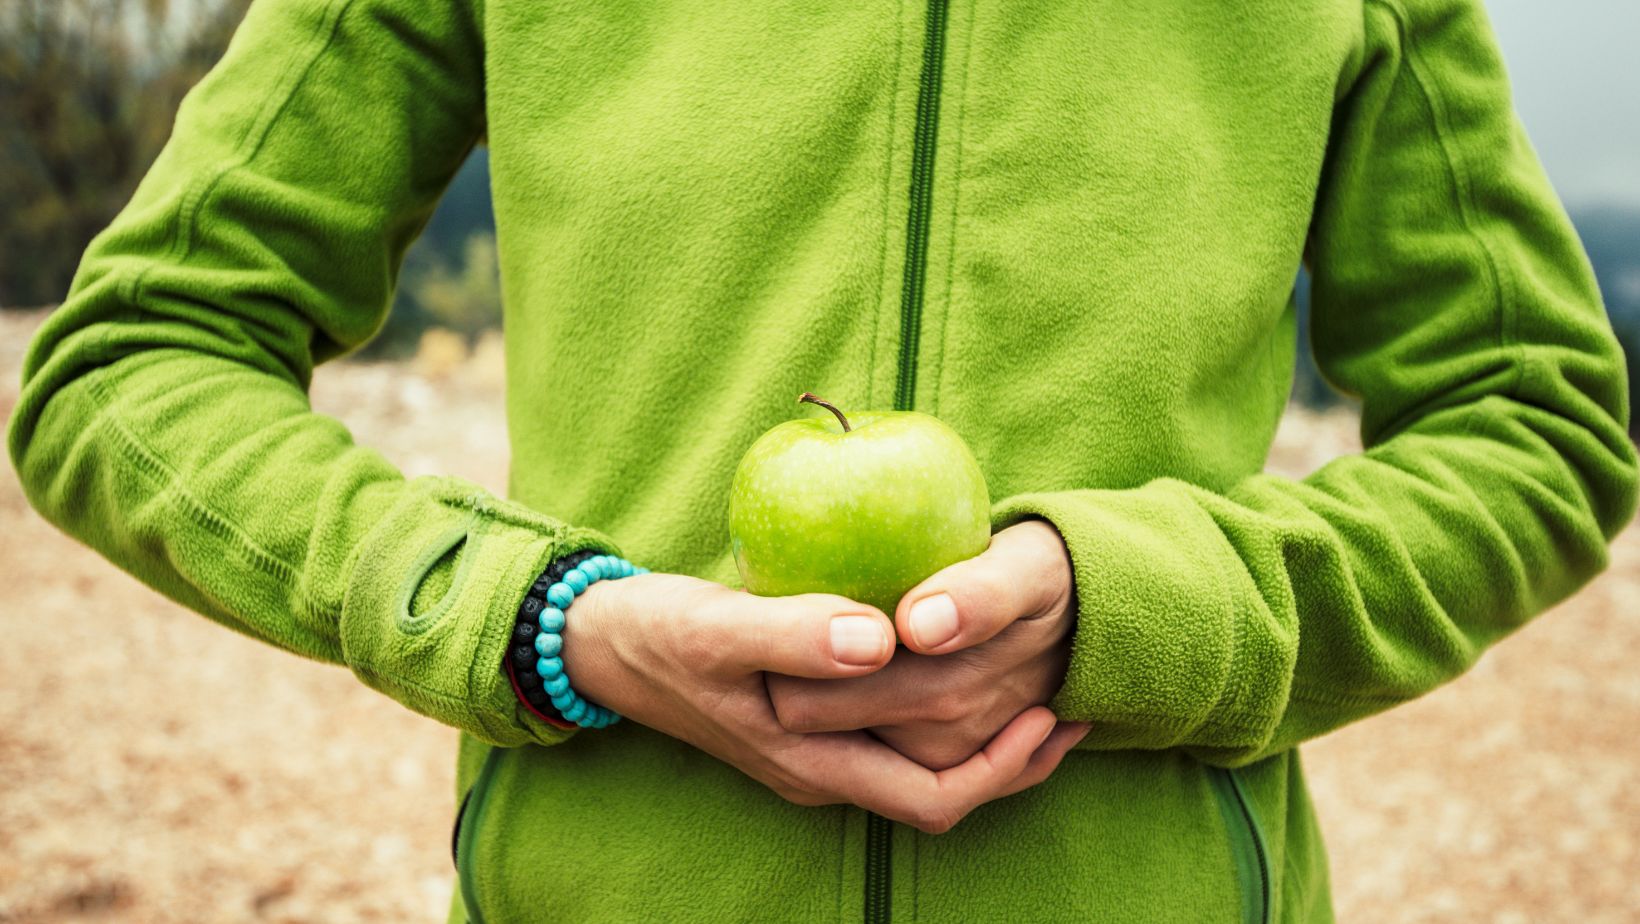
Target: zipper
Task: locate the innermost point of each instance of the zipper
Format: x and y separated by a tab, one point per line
467	822
879	830
879	851
1247	848
455	832
922	188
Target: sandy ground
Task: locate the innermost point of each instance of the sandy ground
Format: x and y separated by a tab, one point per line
159	768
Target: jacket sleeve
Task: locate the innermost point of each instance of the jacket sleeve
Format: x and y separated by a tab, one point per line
164	417
1451	295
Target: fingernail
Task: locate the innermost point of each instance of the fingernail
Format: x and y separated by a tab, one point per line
858	640
933	621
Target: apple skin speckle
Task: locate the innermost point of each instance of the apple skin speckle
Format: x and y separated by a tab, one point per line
867	514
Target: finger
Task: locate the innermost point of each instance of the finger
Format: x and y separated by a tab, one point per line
877	778
911	688
1046	760
986	775
808	635
1025	573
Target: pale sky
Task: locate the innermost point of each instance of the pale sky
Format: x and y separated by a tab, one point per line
1577	87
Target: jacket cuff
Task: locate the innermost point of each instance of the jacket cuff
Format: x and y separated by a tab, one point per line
1154	658
447	662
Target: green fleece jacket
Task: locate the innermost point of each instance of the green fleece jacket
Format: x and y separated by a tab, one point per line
1069	230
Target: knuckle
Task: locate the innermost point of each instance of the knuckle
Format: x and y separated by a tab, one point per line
709	641
993	586
936	820
946	708
795	711
701	649
996	704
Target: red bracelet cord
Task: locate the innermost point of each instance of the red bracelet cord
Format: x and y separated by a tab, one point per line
518	691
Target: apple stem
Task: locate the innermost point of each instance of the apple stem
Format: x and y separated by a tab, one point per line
809	397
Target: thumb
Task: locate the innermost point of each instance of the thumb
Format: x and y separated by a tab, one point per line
807	635
1024	574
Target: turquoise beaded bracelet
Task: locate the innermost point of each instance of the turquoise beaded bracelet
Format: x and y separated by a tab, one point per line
549	641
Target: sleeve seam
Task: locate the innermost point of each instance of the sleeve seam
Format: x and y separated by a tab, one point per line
1254	722
1323	699
1462	196
244	151
267	115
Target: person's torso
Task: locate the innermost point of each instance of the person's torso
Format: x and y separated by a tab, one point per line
1068	230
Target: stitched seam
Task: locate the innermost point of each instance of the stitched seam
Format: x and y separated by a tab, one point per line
401	682
955	160
1241	722
154	466
1317	698
1461	188
464	537
200	190
888	176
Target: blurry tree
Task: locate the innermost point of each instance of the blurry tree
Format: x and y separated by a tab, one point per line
88	92
463	297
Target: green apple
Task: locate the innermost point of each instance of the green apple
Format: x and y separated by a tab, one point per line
866	508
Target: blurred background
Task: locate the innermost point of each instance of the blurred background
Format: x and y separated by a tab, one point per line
240	783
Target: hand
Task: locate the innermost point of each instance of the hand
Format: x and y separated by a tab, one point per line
989	640
686	657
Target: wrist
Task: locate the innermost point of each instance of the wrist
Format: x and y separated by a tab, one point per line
535	664
589	646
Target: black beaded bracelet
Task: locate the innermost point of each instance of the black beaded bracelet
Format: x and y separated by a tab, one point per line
521	655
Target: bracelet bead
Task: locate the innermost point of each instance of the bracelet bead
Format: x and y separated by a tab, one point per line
551	620
549	644
560	595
